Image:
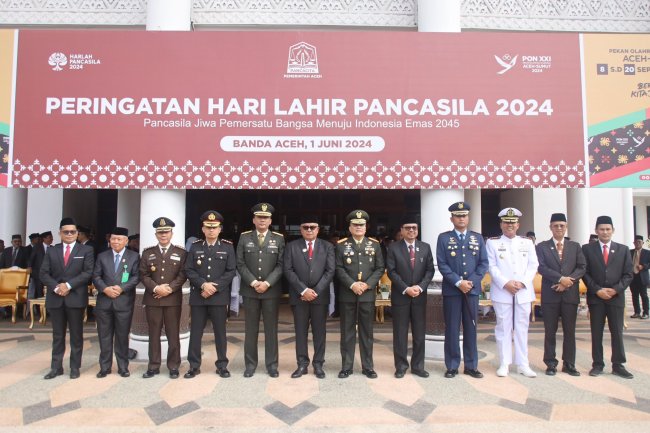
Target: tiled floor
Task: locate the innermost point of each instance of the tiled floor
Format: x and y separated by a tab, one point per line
261	404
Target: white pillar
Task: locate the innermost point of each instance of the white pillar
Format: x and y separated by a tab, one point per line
439	15
580	223
162	203
169	15
546	201
628	217
128	210
473	197
13	212
641	213
44	211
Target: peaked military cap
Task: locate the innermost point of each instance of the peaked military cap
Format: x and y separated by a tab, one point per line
211	218
358	217
163	224
510	215
263	209
459	208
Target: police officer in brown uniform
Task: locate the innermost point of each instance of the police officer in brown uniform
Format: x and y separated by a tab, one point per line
210	267
259	262
162	273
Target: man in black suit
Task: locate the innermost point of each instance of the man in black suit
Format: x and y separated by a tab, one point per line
34	239
639	284
410	269
609	272
561	265
309	269
16	254
115	276
66	271
36	261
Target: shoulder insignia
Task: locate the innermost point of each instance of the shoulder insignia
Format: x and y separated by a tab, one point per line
197	241
341	240
226	241
373	239
246	232
180	247
495	237
149	248
279	234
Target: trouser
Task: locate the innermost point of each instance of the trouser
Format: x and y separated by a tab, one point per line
404	315
552	313
113	330
217	315
63	318
614	315
639	290
353	313
505	335
457	310
171	317
304	314
268	309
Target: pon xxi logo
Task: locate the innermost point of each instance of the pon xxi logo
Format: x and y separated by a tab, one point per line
57	60
507	62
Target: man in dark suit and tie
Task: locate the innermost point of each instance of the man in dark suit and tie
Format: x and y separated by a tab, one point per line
162	272
561	265
66	271
462	261
210	267
115	276
309	269
639	284
609	273
410	269
260	253
359	266
36	261
15	255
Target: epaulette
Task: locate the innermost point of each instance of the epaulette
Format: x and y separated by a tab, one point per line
373	239
149	248
197	241
279	234
246	232
226	241
178	246
495	237
341	240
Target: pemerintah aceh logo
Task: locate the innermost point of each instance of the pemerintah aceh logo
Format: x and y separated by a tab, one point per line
302	59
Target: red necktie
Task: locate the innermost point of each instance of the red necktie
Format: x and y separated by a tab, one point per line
66	256
605	253
310	253
412	255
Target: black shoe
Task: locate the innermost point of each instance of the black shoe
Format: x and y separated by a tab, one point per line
299	372
132	354
399	373
273	373
420	373
150	373
596	371
635	316
53	373
473	372
620	371
645	316
74	373
103	373
192	373
318	371
551	370
124	373
570	369
223	372
344	374
369	373
451	373
249	372
174	374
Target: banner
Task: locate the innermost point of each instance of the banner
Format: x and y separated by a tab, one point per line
6	87
298	110
617	86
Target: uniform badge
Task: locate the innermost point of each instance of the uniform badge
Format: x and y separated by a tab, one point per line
198	262
453	253
153	268
348	261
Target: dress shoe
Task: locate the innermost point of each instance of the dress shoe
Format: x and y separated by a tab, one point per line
502	371
174	374
319	372
273	373
344	374
645	316
192	373
420	373
103	373
620	371
53	373
635	316
570	369
124	373
74	373
526	371
451	373
150	373
473	372
596	371
551	370
223	372
369	373
399	374
249	372
299	372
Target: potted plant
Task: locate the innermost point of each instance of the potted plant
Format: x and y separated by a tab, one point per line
384	291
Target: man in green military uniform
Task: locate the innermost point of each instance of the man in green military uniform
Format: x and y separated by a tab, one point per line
259	262
359	266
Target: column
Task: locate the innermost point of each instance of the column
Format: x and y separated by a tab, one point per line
439	16
473	197
169	15
641	213
128	211
580	223
44	211
13	213
627	225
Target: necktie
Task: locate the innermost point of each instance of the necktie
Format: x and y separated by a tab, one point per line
412	255
13	256
117	262
260	239
605	253
310	251
560	249
462	237
164	250
636	261
66	256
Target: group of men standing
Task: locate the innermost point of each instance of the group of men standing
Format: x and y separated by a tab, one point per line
356	264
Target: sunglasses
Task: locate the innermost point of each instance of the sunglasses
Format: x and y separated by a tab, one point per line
69	232
410	228
309	228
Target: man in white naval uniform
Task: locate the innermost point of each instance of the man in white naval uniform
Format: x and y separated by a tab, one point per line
513	264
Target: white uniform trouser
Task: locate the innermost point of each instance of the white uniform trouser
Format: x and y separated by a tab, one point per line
504	334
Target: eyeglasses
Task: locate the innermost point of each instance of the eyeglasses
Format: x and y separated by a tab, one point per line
309	228
410	228
69	232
